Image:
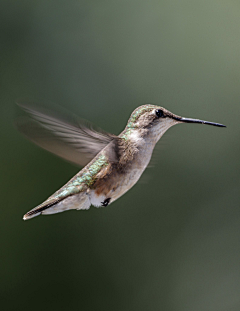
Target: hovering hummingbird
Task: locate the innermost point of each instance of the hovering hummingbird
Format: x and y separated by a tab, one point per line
114	163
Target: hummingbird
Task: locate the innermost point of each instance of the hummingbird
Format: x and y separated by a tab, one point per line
112	164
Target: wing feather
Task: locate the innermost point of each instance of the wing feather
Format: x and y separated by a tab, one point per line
76	141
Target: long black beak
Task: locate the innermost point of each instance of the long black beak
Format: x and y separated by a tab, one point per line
189	120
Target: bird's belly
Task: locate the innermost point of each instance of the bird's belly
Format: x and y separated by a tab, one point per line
118	186
126	183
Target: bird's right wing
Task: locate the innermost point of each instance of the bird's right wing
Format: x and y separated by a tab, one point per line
75	141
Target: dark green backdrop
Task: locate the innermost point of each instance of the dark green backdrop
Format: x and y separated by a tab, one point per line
172	243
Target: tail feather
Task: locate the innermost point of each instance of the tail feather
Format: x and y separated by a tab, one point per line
61	201
40	208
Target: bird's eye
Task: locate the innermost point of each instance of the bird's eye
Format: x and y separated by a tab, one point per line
159	113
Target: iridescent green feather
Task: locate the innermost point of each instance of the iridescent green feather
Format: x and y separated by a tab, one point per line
133	118
86	177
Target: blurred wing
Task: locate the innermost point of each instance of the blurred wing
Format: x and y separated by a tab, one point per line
76	141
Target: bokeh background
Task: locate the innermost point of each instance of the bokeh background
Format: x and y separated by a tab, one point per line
171	243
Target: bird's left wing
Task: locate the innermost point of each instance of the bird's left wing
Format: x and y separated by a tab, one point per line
75	141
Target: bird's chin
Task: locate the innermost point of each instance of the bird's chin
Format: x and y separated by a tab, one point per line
163	126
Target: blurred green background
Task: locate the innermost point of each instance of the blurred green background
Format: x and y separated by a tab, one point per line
172	243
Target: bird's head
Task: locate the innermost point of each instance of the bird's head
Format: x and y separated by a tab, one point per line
157	120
